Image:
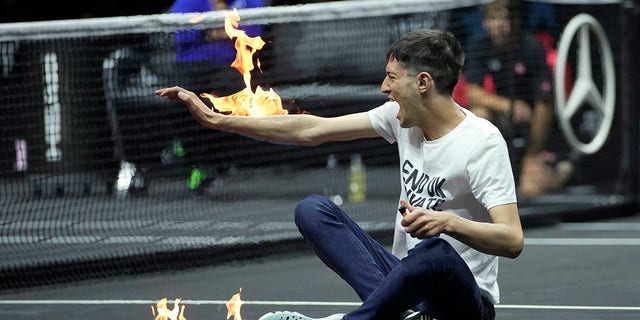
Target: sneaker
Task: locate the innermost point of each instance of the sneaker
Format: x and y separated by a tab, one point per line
288	315
416	315
125	176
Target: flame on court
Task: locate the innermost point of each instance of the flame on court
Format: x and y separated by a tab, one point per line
233	306
245	102
163	313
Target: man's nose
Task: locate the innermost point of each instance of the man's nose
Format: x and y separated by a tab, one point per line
384	87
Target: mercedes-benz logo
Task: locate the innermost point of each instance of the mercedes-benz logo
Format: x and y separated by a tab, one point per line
585	92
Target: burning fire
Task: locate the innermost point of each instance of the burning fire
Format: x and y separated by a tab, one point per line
233	306
161	312
245	102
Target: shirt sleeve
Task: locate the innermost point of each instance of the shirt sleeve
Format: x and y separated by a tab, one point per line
187	6
384	122
490	174
254	3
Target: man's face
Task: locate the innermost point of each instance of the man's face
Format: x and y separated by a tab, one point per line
401	86
498	26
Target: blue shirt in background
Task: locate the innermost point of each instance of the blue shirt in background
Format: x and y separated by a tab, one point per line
192	46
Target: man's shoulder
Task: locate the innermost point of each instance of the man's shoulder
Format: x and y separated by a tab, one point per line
481	125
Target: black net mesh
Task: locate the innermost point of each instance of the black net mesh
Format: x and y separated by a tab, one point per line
101	177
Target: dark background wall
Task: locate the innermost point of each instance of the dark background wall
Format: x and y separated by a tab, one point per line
21	10
39	10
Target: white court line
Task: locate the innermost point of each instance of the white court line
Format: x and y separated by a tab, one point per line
582	241
600	226
553	307
211	240
294	303
184	301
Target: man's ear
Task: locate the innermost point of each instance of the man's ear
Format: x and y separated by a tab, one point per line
425	81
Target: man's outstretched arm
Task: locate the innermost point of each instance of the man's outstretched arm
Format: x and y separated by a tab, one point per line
299	129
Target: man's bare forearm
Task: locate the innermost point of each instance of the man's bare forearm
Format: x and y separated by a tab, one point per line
283	129
478	97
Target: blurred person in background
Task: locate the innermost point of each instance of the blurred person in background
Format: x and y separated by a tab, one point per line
199	59
205	55
204	58
508	82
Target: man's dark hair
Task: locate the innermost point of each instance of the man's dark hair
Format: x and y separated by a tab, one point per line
434	51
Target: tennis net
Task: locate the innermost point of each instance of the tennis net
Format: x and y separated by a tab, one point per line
100	177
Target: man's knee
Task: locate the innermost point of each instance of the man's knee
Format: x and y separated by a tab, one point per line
308	208
435	251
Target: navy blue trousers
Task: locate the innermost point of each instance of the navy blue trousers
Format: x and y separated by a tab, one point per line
433	278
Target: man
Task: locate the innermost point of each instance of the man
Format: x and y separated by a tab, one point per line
457	186
509	83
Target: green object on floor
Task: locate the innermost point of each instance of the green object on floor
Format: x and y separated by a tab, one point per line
197	177
178	149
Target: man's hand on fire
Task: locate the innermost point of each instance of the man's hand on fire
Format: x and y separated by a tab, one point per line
200	111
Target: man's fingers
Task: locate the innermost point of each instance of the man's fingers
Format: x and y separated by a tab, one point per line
405	203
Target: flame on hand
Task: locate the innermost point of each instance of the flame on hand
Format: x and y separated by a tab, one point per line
245	102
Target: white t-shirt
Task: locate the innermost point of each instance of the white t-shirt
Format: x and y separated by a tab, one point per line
465	172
